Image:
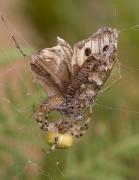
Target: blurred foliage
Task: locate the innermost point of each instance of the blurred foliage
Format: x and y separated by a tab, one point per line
70	19
75	20
110	149
11	55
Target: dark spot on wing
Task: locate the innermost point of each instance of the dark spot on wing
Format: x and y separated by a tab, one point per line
87	51
105	48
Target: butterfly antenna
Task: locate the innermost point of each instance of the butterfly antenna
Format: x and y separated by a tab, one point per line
13	38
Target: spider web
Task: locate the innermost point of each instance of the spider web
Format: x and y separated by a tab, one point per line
13	105
25	142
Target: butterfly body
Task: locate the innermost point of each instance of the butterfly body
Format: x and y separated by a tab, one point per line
83	89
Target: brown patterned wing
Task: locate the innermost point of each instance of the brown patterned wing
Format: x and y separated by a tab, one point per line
52	67
98	43
55	67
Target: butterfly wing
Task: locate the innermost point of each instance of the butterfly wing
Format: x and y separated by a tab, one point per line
98	43
55	67
52	67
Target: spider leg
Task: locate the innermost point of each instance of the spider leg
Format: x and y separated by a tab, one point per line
43	124
41	115
53	147
79	130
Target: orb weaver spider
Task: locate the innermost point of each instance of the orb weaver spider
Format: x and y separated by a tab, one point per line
72	79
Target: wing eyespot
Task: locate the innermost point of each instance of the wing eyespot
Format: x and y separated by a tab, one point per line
105	48
87	51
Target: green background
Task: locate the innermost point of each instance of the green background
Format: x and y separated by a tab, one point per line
110	148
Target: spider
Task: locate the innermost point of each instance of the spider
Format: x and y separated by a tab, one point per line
72	79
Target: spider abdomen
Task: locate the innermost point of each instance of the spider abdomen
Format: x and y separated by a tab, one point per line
64	141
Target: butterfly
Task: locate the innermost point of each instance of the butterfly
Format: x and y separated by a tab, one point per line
72	78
